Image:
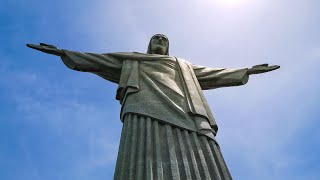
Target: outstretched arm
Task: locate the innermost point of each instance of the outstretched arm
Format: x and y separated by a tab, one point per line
211	78
106	66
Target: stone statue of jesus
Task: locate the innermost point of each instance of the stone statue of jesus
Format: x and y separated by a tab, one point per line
168	129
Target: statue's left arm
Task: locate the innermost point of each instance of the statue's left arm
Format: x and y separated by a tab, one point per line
210	78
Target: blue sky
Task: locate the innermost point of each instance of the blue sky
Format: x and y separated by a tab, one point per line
61	124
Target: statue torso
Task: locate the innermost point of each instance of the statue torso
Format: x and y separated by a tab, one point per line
161	94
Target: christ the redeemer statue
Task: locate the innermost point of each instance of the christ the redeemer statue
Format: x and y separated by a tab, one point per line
168	129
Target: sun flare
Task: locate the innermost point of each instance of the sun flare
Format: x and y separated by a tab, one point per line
228	2
233	2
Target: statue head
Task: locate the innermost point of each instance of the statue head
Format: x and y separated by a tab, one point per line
159	44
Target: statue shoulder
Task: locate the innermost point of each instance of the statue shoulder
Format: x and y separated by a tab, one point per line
184	61
122	53
136	56
127	55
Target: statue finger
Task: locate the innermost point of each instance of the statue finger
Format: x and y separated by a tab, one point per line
274	67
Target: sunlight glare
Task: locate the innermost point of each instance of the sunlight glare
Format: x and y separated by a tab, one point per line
233	3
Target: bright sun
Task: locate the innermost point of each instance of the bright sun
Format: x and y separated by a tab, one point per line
231	2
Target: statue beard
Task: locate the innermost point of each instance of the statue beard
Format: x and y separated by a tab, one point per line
158	51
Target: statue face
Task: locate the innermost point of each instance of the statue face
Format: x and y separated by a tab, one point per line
159	44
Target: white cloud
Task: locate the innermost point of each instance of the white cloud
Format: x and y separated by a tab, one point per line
47	108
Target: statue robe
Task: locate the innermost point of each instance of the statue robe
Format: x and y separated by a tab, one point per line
166	93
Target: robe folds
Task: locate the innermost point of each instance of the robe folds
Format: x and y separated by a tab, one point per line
168	129
165	88
152	150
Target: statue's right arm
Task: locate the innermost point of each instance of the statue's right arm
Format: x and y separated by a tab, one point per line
106	66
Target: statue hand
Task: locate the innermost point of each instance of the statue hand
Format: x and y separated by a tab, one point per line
47	48
262	68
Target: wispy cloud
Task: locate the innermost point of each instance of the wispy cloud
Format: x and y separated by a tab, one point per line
81	127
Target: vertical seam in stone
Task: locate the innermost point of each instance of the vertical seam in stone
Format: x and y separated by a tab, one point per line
225	164
221	163
184	156
212	166
123	170
216	158
192	156
172	153
201	156
132	162
141	145
158	161
149	154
